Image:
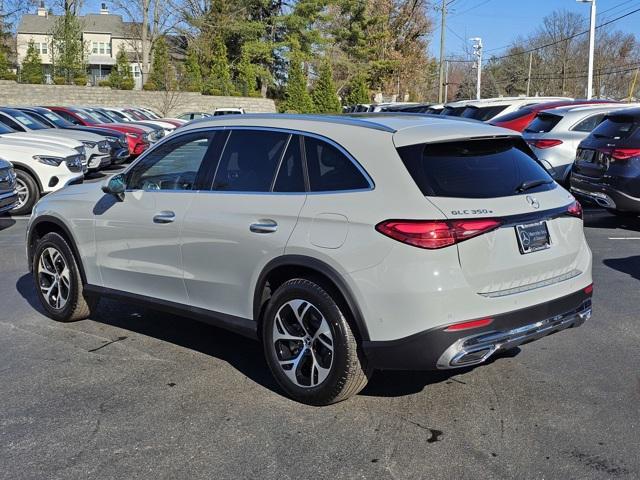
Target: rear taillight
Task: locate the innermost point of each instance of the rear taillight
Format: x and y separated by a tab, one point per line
545	143
588	289
434	234
575	209
457	327
625	153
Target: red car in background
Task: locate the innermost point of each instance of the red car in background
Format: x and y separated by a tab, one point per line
519	119
136	137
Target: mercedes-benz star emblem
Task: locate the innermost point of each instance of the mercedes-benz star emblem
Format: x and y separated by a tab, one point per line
533	201
525	239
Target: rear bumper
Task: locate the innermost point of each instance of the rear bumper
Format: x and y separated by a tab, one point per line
439	349
603	194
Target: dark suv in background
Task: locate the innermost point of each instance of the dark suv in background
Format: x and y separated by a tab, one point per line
607	165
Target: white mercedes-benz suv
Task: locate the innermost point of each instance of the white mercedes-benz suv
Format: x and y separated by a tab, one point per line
344	244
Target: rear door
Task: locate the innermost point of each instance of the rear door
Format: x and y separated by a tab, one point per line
593	157
497	178
243	220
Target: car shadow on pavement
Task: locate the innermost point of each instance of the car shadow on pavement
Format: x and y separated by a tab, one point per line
243	354
628	265
6	222
604	219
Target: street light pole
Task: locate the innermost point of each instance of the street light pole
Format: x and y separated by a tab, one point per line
477	51
592	41
443	25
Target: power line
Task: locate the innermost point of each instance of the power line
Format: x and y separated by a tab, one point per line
566	38
471	8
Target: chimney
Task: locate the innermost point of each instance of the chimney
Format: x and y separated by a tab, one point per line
42	11
104	10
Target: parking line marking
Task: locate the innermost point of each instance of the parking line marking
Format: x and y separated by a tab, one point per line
624	238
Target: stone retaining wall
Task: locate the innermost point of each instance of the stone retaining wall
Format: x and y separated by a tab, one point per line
166	103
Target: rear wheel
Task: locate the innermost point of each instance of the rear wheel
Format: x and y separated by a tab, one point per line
58	281
28	193
309	345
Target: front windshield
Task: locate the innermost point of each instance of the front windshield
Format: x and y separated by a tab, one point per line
29	122
4	129
57	120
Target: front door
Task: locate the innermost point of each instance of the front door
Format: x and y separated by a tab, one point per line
138	238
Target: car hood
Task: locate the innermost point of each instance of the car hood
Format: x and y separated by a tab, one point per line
10	147
47	137
76	135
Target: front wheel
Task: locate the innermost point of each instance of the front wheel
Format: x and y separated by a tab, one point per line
309	345
28	193
58	281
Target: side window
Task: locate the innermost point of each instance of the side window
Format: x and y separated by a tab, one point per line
589	123
329	169
290	175
173	165
250	160
68	117
12	124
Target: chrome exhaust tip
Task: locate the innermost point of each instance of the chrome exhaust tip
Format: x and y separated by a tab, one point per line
476	349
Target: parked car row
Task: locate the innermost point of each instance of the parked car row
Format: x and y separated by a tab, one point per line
51	147
188	116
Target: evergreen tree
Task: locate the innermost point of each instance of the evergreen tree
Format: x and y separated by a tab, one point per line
247	75
324	95
219	78
31	71
5	72
358	91
121	77
68	51
161	74
192	70
297	98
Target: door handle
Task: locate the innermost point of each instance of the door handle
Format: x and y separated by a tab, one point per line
164	217
264	226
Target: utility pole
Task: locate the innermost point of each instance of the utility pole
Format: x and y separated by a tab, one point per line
477	51
592	41
529	75
446	81
443	25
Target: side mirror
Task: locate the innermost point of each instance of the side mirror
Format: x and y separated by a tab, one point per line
116	186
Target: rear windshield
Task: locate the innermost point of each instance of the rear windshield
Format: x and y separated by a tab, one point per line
474	168
615	128
543	123
483	113
515	115
453	111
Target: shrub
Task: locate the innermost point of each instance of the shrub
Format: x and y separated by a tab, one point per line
59	80
9	76
104	83
80	81
149	86
127	84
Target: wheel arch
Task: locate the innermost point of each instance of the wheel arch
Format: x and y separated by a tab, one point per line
283	268
30	171
47	224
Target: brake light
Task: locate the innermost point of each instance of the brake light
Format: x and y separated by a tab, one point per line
575	209
625	153
545	143
481	322
433	234
588	289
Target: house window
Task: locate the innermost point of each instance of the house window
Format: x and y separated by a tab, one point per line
108	48
101	48
44	48
135	69
94	47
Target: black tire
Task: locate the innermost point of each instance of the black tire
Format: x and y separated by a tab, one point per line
77	306
33	192
348	372
620	213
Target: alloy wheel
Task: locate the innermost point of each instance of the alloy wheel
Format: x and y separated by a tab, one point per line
23	193
303	343
54	278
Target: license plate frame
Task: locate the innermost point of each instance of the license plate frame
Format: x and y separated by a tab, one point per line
533	237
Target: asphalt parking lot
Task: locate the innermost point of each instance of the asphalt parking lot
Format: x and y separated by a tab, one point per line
135	393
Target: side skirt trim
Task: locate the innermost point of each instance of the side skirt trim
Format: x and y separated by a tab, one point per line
239	325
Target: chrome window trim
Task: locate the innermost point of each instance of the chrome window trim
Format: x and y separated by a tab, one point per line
290	131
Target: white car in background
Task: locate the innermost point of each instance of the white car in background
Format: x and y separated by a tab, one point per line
97	148
40	168
125	116
228	111
488	108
